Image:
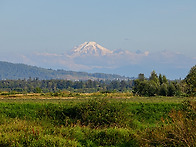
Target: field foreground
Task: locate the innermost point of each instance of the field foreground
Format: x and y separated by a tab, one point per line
96	120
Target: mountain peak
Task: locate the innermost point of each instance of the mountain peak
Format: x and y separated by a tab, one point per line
91	43
91	48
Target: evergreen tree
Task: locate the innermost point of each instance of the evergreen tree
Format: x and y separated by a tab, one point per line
163	89
171	89
141	77
160	79
191	81
154	77
165	79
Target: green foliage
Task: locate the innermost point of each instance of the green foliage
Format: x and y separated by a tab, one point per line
55	85
163	90
151	113
24	133
165	79
179	131
151	88
154	77
114	137
94	122
146	88
38	90
160	79
22	111
94	113
102	113
191	81
171	90
158	86
141	77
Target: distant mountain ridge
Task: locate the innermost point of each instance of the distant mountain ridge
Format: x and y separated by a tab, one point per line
22	71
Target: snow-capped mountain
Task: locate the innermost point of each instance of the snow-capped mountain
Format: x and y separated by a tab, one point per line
90	48
92	57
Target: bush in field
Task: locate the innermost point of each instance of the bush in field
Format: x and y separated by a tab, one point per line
114	137
97	112
181	130
102	113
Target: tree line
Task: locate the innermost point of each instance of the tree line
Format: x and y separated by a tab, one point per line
54	85
157	85
152	86
160	85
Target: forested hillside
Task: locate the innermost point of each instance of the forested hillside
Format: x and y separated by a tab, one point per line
22	71
24	78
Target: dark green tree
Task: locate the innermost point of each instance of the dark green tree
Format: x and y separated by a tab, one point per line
154	77
160	79
141	77
165	79
163	89
152	88
171	89
191	81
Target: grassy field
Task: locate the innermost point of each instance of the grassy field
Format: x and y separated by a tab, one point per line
97	119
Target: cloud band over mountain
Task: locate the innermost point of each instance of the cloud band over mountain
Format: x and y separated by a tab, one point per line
92	57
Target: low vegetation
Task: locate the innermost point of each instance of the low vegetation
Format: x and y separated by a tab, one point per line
97	122
150	111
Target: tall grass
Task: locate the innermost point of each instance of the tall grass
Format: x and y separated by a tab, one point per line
97	122
180	130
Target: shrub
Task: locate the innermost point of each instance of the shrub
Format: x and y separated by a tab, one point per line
179	131
102	113
114	137
97	112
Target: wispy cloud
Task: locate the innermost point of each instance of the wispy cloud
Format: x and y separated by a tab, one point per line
163	61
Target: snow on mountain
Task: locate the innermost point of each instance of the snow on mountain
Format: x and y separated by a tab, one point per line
90	48
92	57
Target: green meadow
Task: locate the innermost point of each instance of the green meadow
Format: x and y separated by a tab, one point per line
97	119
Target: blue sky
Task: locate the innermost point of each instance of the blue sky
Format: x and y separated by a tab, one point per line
57	26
